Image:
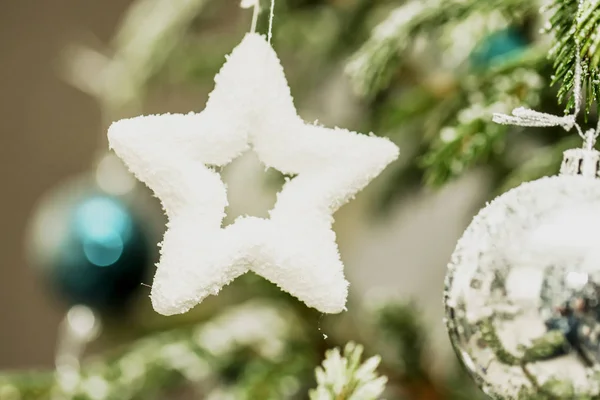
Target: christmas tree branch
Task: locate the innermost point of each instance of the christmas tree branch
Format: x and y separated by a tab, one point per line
401	325
467	135
149	32
245	346
345	377
576	30
372	67
404	331
143	369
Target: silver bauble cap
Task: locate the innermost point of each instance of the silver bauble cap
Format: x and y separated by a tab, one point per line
583	162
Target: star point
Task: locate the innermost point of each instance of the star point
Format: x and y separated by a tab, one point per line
251	107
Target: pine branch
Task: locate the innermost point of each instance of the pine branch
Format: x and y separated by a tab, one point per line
150	31
373	66
469	135
144	369
242	351
344	377
404	329
569	28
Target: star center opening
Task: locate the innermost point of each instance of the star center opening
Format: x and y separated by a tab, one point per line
251	188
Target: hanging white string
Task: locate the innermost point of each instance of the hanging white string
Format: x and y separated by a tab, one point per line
255	14
526	117
271	16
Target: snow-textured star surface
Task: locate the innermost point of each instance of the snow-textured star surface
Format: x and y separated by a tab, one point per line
251	108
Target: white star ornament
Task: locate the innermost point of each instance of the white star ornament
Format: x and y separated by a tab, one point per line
250	108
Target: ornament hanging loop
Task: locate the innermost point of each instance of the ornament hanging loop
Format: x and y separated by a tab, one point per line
256	5
252	4
590	138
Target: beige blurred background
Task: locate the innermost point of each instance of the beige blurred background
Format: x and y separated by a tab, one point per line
50	132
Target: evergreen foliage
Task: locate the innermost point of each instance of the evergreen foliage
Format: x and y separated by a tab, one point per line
429	92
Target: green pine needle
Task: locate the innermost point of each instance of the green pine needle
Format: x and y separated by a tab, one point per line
374	65
568	27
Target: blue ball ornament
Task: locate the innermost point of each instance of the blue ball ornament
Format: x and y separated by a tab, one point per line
499	47
92	248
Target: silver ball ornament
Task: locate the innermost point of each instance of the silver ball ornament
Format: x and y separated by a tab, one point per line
522	292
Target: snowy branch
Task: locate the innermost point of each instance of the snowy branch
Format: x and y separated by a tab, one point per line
344	377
